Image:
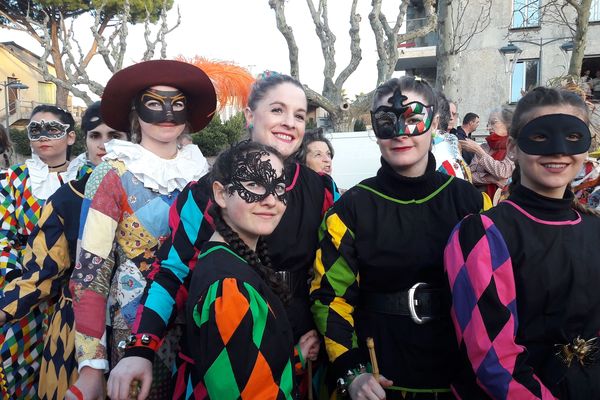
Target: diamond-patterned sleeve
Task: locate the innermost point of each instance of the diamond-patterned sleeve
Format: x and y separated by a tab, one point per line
45	262
334	291
166	292
484	310
101	210
10	258
331	192
232	323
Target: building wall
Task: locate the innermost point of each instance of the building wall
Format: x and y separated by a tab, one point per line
479	81
13	66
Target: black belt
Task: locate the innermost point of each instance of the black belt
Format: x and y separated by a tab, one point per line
421	302
291	279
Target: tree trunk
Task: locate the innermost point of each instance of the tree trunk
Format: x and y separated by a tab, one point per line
341	120
583	18
62	94
443	63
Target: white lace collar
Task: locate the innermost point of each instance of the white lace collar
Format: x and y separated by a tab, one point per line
158	174
43	182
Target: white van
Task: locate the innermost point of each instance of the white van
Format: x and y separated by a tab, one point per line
356	157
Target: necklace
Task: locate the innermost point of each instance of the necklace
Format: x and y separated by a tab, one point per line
57	166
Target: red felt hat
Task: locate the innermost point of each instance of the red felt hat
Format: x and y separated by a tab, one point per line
122	88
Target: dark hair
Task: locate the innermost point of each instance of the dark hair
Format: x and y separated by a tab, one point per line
311	136
222	172
63	115
443	110
265	82
5	143
407	84
92	118
469	117
545	97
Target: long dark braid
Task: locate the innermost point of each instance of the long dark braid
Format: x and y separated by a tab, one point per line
222	172
258	260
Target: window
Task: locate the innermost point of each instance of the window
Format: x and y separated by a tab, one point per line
526	75
595	11
46	92
526	13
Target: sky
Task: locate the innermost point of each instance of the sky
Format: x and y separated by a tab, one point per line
245	32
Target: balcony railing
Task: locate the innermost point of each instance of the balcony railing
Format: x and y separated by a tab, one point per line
18	110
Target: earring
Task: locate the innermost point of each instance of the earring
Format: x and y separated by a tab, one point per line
250	126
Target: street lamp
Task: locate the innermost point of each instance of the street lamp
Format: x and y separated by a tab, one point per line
15	85
567	46
508	50
567	49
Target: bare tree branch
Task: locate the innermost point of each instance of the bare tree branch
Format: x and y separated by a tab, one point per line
355	50
463	33
288	34
327	40
161	34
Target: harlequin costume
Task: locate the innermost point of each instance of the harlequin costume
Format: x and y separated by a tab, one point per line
23	192
524	279
291	247
383	238
125	211
237	328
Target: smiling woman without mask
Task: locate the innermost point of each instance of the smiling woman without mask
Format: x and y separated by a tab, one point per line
126	209
23	192
383	237
52	247
532	261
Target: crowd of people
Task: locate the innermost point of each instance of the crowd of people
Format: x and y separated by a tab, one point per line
138	271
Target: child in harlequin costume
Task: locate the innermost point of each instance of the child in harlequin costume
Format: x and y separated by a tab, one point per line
50	256
23	191
379	269
125	210
276	115
239	335
524	276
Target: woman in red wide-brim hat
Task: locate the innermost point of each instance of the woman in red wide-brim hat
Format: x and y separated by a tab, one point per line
124	216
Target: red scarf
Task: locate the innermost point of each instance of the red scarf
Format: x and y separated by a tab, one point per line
497	145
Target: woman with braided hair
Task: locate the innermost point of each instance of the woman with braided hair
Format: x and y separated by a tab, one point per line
238	334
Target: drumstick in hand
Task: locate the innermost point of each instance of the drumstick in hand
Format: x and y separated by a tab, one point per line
371	347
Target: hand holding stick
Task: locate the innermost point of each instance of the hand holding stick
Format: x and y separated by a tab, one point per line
371	347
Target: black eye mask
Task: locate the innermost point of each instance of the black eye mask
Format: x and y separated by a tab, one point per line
555	134
167	99
254	179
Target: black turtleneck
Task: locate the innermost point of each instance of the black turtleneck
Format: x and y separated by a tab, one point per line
400	226
409	188
542	207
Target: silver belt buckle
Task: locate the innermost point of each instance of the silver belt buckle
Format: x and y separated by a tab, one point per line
413	303
286	278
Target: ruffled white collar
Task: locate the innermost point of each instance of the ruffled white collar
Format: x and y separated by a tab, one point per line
43	182
162	176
